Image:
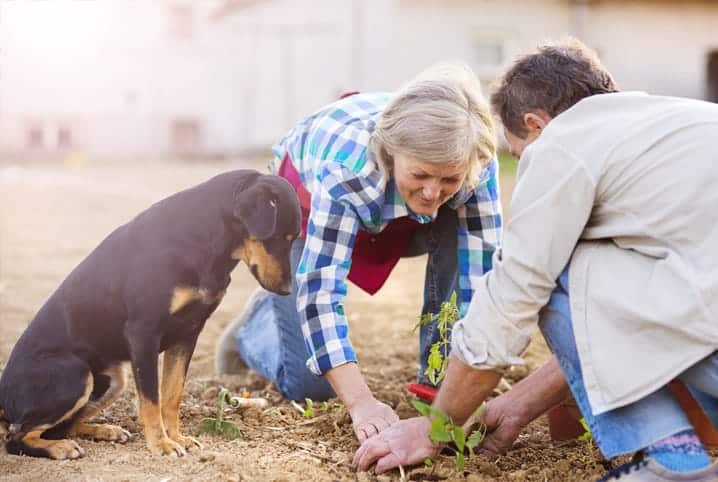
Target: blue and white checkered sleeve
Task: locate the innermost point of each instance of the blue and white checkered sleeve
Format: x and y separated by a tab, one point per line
479	232
322	271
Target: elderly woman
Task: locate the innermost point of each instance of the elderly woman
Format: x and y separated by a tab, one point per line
379	177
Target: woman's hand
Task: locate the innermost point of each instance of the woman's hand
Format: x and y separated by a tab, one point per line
370	416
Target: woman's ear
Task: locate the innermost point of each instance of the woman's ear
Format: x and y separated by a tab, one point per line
256	208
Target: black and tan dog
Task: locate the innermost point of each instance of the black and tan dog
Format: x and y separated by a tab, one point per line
147	288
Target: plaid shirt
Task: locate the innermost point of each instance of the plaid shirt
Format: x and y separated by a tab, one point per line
329	151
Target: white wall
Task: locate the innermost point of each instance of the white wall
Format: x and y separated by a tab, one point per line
112	71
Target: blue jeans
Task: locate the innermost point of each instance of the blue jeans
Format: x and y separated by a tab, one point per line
635	426
271	342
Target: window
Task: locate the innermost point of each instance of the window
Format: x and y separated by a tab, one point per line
64	138
34	137
181	20
489	53
712	76
185	137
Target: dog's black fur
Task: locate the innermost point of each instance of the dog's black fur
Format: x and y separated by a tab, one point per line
147	288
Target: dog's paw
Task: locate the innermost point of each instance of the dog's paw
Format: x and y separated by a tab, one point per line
167	446
187	442
111	433
65	450
102	431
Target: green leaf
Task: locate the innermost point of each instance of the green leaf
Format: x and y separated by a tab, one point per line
424	320
476	437
213	426
459	437
325	406
229	430
438	431
435	358
209	425
437	413
587	436
460	461
422	407
428	462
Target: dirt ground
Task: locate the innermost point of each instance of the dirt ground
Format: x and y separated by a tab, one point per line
51	216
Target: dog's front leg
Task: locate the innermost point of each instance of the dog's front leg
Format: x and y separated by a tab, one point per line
174	372
144	352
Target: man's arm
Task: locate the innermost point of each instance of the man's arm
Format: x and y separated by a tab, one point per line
464	389
507	415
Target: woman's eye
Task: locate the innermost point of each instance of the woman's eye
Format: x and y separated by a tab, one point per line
450	180
420	177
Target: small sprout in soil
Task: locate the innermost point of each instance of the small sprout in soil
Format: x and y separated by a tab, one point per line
438	359
309	411
217	425
587	436
444	430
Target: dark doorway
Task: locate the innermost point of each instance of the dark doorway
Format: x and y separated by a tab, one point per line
712	76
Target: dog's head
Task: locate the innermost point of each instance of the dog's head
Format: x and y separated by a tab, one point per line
269	211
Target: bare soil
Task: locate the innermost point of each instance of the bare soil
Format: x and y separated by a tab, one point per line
52	216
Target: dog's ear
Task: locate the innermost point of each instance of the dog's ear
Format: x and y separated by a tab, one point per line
256	208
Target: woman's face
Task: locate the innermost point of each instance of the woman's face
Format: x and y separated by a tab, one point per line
424	185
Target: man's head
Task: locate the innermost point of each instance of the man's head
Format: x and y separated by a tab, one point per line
540	85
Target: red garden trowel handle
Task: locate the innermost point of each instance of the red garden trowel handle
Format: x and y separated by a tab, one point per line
422	391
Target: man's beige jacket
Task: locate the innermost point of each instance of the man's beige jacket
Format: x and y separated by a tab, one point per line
624	187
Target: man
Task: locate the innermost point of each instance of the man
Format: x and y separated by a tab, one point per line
612	250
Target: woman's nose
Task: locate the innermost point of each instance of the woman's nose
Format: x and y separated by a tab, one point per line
431	191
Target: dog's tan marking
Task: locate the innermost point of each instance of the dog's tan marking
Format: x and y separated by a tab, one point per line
181	297
155	435
240	253
60	449
112	433
253	253
208	298
3	424
174	372
184	295
289	237
56	449
101	431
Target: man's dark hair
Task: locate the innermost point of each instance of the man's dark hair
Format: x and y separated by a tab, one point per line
552	79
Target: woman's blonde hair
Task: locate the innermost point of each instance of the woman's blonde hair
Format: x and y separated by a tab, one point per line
440	116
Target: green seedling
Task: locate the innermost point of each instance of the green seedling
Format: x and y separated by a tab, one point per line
587	436
443	430
217	425
438	359
309	410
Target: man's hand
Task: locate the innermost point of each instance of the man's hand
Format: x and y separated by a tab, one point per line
370	416
404	443
506	416
503	427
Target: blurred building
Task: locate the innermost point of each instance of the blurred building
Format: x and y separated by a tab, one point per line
181	78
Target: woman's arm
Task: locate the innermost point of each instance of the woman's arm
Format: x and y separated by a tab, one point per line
331	232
